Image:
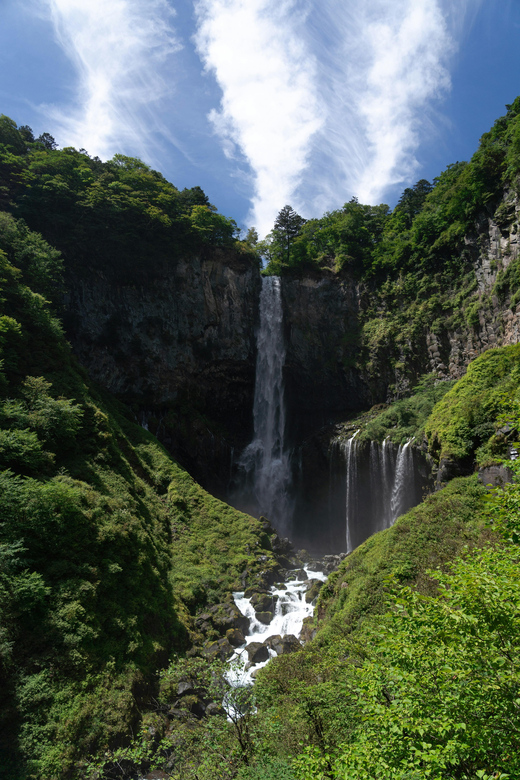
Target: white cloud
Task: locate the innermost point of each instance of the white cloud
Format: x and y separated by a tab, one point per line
121	50
328	102
408	47
386	64
270	109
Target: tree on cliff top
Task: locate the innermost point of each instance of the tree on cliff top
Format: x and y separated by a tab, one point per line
277	247
287	227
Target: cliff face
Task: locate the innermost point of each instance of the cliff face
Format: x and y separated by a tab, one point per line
322	335
332	364
494	246
180	348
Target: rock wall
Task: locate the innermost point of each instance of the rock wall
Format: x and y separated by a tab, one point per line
329	371
494	246
322	335
180	348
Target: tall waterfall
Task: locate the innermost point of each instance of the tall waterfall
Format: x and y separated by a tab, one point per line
264	466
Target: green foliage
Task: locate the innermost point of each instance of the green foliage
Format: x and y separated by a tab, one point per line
465	418
404	419
101	537
41	265
278	247
121	216
213	544
432	532
440	695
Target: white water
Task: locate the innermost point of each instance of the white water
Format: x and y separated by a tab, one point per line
403	469
265	463
379	484
290	612
351	469
386	467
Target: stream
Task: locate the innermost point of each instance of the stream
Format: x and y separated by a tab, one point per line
290	612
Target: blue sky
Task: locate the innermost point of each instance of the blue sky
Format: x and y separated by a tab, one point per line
265	102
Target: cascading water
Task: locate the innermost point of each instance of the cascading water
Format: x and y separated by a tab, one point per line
264	466
403	475
290	611
350	484
381	482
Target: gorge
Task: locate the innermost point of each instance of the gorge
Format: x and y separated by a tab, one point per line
180	428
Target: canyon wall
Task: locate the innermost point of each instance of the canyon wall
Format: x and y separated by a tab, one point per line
179	348
331	366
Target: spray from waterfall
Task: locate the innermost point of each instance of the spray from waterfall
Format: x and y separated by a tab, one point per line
265	463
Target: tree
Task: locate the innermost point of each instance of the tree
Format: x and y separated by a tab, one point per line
26	133
287	227
251	238
46	140
411	201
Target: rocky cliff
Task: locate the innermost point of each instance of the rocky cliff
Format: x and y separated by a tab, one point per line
336	365
322	334
180	348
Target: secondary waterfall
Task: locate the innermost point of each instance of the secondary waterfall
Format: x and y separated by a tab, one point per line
403	472
350	485
264	466
371	485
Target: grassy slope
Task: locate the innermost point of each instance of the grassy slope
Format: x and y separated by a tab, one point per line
426	537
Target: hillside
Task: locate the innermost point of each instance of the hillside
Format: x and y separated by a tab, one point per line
108	547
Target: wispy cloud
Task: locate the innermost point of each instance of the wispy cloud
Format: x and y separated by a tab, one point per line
330	101
270	109
121	50
406	48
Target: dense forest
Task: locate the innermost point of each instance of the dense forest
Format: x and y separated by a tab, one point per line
117	568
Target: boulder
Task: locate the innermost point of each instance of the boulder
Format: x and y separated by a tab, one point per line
314	589
214	709
185	687
257	652
264	617
285	644
221	617
296	574
309	630
496	476
263	601
221	648
235	637
281	545
316	566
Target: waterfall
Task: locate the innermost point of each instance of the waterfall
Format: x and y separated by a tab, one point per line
264	465
386	481
403	473
349	450
376	483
